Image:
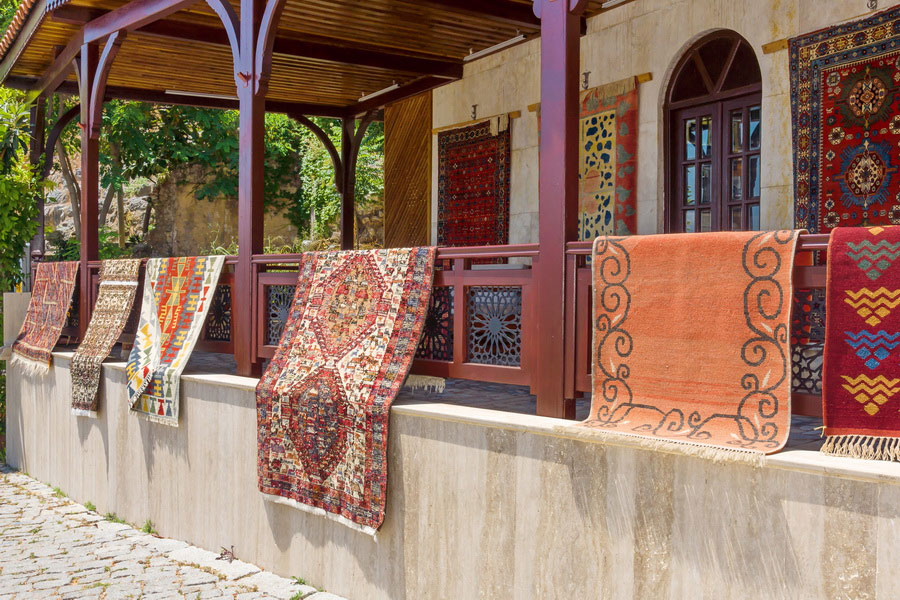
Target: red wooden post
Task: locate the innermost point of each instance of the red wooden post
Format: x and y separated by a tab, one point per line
253	61
90	182
36	153
348	189
558	193
250	188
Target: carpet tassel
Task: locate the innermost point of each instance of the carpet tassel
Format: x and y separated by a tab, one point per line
30	367
427	383
863	446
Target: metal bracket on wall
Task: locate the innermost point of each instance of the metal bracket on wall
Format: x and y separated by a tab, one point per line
585	79
474	112
873	4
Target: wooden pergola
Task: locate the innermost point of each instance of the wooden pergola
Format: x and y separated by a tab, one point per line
335	58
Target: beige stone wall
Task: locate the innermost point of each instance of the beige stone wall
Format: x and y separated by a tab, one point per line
481	504
646	36
185	226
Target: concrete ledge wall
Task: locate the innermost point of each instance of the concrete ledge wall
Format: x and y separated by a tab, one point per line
480	505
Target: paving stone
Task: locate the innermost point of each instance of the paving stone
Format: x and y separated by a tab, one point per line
55	548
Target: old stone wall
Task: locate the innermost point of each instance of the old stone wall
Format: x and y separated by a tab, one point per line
645	36
481	504
181	224
184	225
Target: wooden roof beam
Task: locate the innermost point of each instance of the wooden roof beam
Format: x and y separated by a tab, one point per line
320	49
499	11
160	97
423	84
131	16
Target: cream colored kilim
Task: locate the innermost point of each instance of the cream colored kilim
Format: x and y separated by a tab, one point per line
118	284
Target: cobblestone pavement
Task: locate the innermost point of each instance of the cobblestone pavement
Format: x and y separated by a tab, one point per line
51	547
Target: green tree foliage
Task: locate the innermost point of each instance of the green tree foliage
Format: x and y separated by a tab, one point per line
7	12
317	191
19	185
141	140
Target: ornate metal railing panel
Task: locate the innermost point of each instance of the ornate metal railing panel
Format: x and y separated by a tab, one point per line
278	306
437	334
218	321
494	325
807	340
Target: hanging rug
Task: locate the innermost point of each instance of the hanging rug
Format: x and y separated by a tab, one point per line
115	298
690	340
323	402
861	374
177	296
51	297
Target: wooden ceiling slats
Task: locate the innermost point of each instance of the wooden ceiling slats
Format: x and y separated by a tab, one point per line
311	32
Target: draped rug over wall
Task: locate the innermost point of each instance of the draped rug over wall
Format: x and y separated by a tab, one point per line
324	400
845	104
51	296
608	160
473	184
691	339
118	285
862	334
177	296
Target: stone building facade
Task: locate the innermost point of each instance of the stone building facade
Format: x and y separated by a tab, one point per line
648	37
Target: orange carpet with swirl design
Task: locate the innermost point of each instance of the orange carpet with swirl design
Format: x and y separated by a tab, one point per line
691	338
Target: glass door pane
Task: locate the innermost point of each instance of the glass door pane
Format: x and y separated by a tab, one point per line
690	139
737	179
690	184
706	136
737	131
755	127
753	174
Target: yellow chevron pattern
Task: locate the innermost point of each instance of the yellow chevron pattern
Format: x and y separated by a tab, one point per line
871	392
873	306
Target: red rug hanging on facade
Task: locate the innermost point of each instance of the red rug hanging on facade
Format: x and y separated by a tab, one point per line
473	185
324	401
861	382
845	101
51	295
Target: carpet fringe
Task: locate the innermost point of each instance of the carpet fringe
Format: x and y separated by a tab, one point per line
80	412
868	447
436	385
315	510
29	366
155	419
613	89
716	454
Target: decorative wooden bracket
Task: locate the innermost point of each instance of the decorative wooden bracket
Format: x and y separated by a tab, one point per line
98	85
329	147
55	132
251	47
340	173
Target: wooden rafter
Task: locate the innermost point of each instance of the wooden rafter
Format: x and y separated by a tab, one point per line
320	49
500	11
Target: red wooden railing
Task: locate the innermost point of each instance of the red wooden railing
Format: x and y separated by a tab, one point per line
461	272
455	271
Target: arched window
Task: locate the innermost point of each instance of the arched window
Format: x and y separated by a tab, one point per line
714	123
